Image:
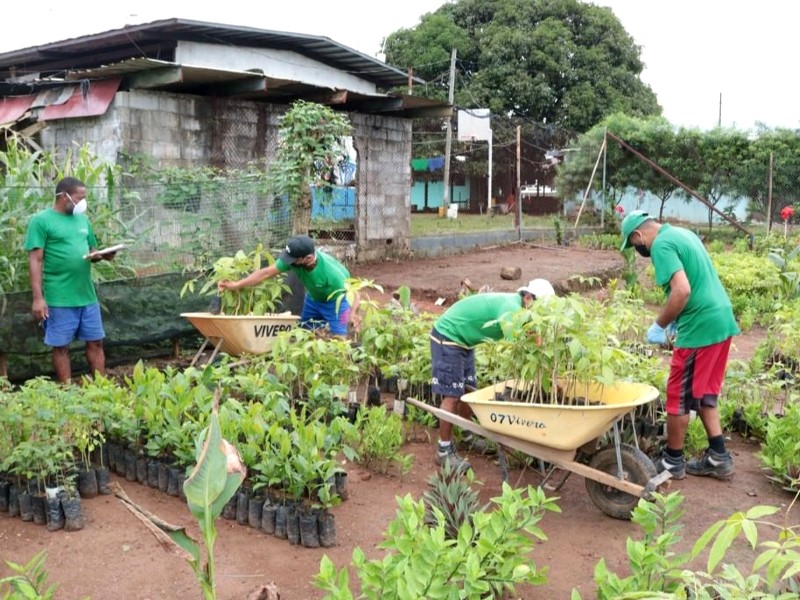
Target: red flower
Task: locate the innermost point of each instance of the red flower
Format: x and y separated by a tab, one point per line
619	209
787	212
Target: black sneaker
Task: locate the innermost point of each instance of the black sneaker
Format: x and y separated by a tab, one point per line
448	454
712	464
477	444
676	466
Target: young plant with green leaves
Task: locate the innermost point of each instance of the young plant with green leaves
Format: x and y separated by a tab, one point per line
450	492
558	344
216	477
311	145
259	299
657	571
303	360
378	438
780	451
29	581
488	557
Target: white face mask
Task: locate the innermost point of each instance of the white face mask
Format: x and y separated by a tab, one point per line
79	208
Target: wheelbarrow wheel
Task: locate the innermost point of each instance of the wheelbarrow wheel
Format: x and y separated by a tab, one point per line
637	468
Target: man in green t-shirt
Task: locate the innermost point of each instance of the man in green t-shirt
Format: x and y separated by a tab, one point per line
61	247
322	276
699	306
469	322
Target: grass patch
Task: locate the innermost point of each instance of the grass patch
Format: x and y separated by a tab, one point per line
423	224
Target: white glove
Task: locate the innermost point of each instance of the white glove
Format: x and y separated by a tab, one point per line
657	335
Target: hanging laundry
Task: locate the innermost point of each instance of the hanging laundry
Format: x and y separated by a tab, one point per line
436	163
419	164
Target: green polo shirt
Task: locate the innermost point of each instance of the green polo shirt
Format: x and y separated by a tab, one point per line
325	281
65	240
465	322
707	317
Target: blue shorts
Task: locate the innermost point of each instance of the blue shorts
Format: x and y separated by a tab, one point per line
65	324
323	314
452	366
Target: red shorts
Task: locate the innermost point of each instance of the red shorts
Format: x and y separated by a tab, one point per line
695	377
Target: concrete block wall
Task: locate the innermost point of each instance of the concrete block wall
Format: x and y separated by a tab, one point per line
383	214
176	130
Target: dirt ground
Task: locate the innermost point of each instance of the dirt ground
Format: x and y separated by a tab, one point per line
114	557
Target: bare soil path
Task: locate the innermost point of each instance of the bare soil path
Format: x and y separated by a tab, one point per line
114	557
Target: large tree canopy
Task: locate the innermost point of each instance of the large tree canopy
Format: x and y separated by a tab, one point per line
561	62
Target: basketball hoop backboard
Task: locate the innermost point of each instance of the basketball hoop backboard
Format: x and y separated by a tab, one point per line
474	125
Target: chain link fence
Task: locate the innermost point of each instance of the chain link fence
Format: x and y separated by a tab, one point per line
172	232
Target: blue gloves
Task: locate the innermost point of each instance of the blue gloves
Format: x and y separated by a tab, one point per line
662	336
657	335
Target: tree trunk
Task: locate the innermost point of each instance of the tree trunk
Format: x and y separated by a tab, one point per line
301	213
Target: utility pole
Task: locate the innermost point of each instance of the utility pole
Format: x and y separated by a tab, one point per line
518	211
410	80
719	119
449	139
769	194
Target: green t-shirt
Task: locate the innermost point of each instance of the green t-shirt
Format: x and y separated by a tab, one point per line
326	278
65	239
707	317
465	321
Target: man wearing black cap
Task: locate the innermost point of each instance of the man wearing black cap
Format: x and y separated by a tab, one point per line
321	274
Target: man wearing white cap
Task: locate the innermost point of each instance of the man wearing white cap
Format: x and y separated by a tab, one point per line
322	276
469	322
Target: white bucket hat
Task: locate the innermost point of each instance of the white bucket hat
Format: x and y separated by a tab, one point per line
538	288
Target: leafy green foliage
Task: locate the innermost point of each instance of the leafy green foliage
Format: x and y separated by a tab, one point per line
653	562
696	439
259	299
452	495
579	63
780	451
790	279
486	559
311	144
658	572
563	341
29	581
317	370
395	340
26	188
377	440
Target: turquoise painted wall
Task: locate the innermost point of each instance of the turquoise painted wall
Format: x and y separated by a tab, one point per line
459	194
676	207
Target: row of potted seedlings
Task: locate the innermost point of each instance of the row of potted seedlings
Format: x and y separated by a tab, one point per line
69	439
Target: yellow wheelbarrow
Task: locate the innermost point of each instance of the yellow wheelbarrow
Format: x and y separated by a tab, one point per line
567	437
238	334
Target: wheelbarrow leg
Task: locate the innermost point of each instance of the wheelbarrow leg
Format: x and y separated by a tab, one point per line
617	449
215	352
501	459
554	487
199	352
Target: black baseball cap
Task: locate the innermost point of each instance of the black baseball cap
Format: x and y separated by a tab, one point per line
297	247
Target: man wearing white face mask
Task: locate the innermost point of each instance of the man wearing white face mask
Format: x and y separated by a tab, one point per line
64	298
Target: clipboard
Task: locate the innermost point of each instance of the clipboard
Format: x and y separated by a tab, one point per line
108	250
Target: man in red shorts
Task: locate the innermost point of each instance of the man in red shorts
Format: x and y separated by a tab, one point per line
699	306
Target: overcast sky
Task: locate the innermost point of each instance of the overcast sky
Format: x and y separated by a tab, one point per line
694	50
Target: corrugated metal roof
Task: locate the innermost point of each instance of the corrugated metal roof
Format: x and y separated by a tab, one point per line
11	109
86	101
157	40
